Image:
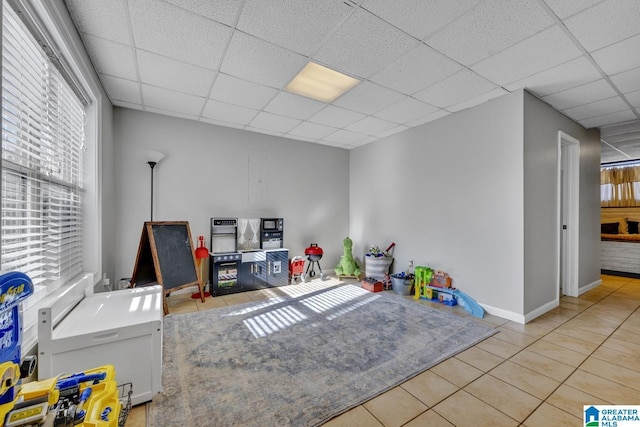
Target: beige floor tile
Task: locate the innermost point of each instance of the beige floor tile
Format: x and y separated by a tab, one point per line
463	409
356	417
479	358
626	360
543	365
572	343
519	405
181	305
233	299
629	335
499	347
602	388
556	352
137	417
572	400
456	371
532	328
581	334
395	407
612	372
516	338
429	418
525	379
550	415
429	388
622	346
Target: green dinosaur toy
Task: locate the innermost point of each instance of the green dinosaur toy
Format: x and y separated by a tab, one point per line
347	265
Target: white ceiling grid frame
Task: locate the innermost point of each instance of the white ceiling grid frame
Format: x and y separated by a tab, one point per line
414	18
619	117
488	28
364	45
619	57
233	90
405	111
297	25
368	97
605	23
176	102
165	72
168	30
416	70
537	53
223	11
597	108
121	89
261	62
455	89
228	113
105	19
273	122
371	125
627	81
111	58
590	92
336	117
565	8
311	130
295	106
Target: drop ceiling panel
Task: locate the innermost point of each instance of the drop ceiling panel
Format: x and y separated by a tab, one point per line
540	52
458	88
312	130
561	77
121	89
290	105
236	91
371	126
111	58
619	57
229	113
565	8
261	62
618	117
104	19
480	99
634	98
590	92
429	118
160	71
405	111
488	28
364	45
336	117
174	32
298	25
627	81
418	17
368	98
274	122
598	108
176	102
223	11
344	137
605	23
416	70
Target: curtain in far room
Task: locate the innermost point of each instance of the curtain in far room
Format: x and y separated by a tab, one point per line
620	186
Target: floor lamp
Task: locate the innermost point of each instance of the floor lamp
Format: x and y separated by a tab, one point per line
153	158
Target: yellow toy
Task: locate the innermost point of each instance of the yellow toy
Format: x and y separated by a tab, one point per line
422	279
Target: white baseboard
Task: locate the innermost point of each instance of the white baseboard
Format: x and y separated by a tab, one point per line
585	288
505	314
541	310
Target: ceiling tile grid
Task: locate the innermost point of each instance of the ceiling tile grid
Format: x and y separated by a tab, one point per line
227	62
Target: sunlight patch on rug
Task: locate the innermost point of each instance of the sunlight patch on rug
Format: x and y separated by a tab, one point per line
299	359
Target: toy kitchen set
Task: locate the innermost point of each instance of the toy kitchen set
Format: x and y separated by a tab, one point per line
247	254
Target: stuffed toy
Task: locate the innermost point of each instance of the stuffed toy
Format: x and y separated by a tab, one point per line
347	265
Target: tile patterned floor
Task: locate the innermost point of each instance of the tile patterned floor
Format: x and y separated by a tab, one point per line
583	352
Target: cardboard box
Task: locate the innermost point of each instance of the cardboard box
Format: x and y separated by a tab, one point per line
372	284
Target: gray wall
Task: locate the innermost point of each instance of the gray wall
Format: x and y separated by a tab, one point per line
206	173
449	193
541	126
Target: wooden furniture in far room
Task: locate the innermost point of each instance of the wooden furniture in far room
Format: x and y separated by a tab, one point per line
620	241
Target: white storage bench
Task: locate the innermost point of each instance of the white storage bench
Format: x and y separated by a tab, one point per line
121	328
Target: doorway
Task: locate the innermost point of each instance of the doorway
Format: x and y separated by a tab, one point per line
568	213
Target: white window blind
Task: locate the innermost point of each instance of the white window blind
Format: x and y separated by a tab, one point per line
42	150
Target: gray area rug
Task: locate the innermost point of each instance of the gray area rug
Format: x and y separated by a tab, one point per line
299	359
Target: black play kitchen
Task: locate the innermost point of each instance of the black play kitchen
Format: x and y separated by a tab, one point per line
247	254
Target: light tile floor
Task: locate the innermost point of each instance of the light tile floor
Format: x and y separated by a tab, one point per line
586	351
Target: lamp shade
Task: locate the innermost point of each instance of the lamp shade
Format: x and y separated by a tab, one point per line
153	156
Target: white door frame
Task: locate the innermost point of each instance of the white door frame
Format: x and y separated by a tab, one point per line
572	175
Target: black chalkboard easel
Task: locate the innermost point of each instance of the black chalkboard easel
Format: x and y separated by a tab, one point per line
166	257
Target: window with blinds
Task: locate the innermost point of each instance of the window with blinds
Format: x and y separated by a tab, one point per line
43	140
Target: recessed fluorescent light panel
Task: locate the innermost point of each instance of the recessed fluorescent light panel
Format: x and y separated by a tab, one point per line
321	83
